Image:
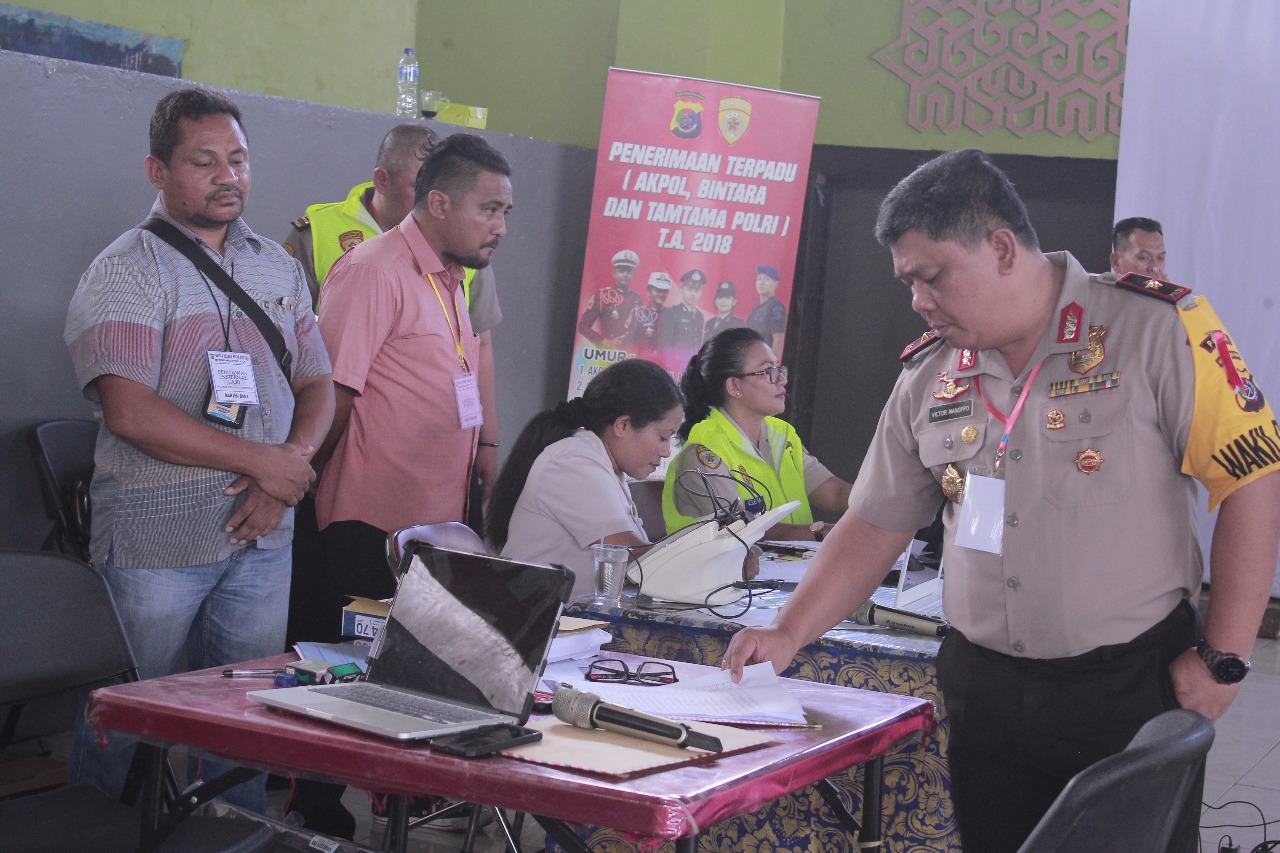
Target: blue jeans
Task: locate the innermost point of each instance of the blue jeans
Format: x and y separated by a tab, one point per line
218	614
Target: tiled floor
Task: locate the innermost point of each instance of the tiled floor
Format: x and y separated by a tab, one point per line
1244	764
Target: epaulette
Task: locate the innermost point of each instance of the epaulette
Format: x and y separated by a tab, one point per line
302	223
919	345
1145	284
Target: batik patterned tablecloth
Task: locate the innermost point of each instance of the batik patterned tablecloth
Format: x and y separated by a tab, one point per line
917	809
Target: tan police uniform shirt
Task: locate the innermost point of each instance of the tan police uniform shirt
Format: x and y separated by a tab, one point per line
1099	540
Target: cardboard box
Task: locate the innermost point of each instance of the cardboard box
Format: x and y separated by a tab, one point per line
364	618
464	115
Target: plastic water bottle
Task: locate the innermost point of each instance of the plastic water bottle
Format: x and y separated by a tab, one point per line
407	85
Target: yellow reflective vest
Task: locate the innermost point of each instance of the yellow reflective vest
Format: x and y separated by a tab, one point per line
779	480
338	227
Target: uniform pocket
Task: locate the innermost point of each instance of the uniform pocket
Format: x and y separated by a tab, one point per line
1088	450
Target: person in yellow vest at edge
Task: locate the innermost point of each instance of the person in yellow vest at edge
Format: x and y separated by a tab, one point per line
733	388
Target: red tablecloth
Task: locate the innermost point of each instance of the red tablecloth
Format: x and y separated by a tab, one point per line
204	710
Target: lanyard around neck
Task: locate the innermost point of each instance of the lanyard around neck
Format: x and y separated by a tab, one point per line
455	334
1013	416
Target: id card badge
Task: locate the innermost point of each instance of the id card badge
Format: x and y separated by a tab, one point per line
466	390
231	375
226	414
981	522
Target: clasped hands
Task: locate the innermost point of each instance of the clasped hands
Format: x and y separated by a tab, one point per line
281	475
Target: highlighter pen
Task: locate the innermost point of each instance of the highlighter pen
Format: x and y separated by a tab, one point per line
250	673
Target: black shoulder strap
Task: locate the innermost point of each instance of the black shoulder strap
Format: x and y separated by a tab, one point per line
175	238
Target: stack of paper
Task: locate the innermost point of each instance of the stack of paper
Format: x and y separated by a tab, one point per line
577	639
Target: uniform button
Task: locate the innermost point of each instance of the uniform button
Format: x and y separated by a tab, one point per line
1018	647
1016	390
1016	456
1013	519
1012	583
1085	417
947	442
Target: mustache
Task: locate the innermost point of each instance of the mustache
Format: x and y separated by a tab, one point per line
225	191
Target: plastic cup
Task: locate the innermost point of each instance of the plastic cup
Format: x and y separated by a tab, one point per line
611	573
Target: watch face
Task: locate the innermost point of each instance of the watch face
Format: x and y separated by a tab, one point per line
1230	670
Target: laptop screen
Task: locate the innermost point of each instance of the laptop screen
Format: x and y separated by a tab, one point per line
469	628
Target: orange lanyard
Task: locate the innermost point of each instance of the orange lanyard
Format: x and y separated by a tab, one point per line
455	334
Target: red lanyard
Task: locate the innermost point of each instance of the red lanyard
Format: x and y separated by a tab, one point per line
1013	416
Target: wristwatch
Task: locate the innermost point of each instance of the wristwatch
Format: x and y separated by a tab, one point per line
819	529
1225	667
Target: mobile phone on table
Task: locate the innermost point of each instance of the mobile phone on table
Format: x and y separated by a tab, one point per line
486	740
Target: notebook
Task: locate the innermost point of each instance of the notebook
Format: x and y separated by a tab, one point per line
465	643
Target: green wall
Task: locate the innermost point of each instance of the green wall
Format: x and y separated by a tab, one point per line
540	66
339	52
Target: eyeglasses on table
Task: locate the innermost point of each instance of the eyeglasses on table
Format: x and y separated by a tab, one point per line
650	673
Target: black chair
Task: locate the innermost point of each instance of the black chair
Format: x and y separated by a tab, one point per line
62	635
1130	801
63	453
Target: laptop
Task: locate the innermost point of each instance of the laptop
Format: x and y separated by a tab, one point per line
919	587
463	648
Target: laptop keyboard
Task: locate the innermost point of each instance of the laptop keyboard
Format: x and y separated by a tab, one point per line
402	703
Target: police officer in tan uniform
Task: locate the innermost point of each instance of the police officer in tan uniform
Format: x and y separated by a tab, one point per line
1057	413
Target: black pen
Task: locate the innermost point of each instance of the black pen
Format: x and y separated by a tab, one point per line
250	673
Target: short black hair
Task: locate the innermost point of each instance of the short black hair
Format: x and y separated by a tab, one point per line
453	166
190	103
960	196
1120	233
406	146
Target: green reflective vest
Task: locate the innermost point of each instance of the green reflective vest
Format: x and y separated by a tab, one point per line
339	226
779	480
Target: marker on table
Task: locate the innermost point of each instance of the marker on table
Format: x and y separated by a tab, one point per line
250	673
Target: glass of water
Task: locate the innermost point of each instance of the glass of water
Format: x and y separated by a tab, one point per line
611	572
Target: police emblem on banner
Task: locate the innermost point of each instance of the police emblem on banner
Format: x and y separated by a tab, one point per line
735	115
686	117
348	240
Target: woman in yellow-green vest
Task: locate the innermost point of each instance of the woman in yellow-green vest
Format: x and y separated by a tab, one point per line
735	447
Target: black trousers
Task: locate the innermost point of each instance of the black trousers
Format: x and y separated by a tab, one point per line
1021	728
346	558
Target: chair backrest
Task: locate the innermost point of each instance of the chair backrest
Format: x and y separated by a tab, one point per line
63	455
446	534
60	627
1130	801
648	497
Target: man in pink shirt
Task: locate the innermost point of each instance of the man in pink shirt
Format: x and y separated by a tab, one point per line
407	417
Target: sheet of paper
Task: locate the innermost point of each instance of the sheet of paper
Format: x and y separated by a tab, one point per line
577	644
334	653
759	698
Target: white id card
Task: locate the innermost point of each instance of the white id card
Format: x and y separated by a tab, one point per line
466	390
231	374
981	522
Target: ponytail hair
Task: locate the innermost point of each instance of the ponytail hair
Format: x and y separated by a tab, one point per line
634	387
719	359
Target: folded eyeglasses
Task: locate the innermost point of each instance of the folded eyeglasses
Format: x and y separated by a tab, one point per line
650	673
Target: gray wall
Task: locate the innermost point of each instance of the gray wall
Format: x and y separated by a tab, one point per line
71	154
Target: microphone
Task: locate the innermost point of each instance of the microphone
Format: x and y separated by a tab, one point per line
913	623
588	711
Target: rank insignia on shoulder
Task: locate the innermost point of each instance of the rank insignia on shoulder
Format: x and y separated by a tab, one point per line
302	223
708	458
919	345
1145	284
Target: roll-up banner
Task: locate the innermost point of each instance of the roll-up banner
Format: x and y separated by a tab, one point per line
695	218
